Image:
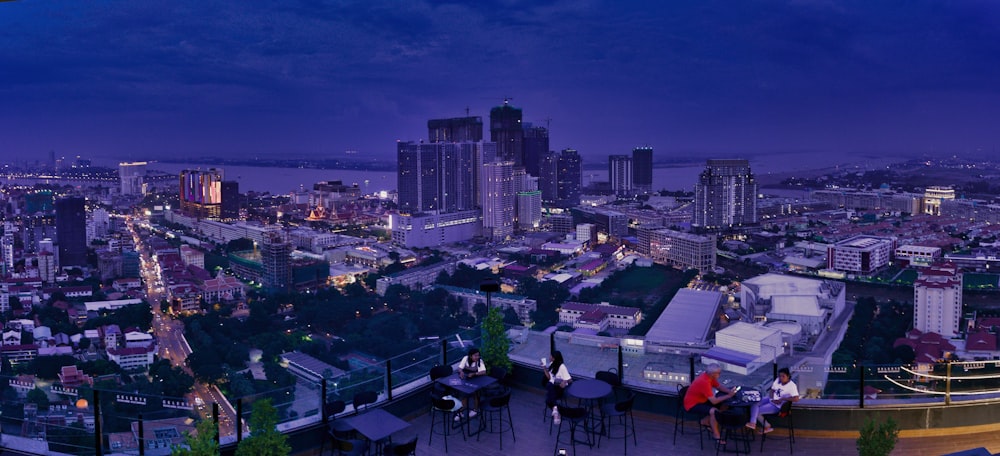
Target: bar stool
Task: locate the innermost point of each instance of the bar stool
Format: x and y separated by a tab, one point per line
492	413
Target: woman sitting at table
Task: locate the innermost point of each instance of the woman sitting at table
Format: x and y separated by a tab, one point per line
782	390
558	380
471	366
701	399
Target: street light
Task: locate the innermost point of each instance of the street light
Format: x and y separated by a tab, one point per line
489	286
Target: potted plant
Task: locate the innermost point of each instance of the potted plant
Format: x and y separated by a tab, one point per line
496	345
878	438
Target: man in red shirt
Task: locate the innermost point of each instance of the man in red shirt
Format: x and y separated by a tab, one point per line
701	398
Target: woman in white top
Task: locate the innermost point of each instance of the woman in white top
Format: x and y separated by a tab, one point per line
471	366
782	390
558	379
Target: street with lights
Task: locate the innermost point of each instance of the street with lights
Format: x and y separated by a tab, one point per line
169	333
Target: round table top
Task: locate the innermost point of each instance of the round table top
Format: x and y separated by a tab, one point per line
588	389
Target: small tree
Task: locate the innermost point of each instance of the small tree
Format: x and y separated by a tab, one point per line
878	438
264	440
202	443
496	346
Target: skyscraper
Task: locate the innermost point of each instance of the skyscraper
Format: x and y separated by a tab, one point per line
620	174
548	177
642	169
937	300
275	256
230	209
201	193
536	145
498	199
71	231
725	195
569	177
529	204
132	176
436	176
506	130
456	129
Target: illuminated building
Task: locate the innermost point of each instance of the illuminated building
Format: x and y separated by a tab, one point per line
201	193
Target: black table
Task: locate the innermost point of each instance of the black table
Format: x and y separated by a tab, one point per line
376	424
466	388
590	392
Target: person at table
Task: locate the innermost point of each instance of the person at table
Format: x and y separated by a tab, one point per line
782	390
702	400
472	365
558	379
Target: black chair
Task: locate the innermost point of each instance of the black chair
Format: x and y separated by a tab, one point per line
681	417
364	399
448	409
349	447
491	417
733	429
623	411
785	414
337	428
440	372
401	449
438	390
611	377
573	417
499	388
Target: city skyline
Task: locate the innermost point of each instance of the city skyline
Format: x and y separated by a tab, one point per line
146	80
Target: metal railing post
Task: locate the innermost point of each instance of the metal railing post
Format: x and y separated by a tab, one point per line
98	444
142	441
861	384
444	352
691	368
388	380
215	419
947	384
621	366
552	342
326	419
239	419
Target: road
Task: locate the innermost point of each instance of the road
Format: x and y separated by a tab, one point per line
169	333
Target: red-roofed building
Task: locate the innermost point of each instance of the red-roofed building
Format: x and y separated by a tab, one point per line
72	377
132	357
592	267
981	342
927	347
599	316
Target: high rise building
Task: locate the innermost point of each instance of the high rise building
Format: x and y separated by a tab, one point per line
548	177
498	199
725	195
569	176
230	208
536	145
642	169
456	129
132	176
620	174
7	251
527	201
71	231
436	177
937	300
506	130
678	249
35	228
201	193
276	259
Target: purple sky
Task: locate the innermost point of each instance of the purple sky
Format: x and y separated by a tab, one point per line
151	79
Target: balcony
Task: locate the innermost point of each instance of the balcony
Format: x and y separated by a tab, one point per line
940	408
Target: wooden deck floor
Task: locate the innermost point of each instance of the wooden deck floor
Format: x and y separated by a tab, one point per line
655	435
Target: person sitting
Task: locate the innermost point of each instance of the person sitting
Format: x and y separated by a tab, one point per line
701	399
558	379
471	366
782	390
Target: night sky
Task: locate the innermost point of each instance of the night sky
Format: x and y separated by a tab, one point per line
149	79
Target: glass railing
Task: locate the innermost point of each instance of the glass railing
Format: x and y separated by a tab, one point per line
43	417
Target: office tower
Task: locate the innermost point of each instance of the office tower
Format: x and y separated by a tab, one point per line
47	266
569	175
71	231
529	204
436	176
620	174
36	227
506	130
276	259
536	145
548	177
642	169
937	300
201	193
7	251
132	176
230	208
498	200
98	225
456	129
725	195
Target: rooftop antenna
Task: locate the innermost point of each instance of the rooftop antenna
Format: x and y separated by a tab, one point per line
466	111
